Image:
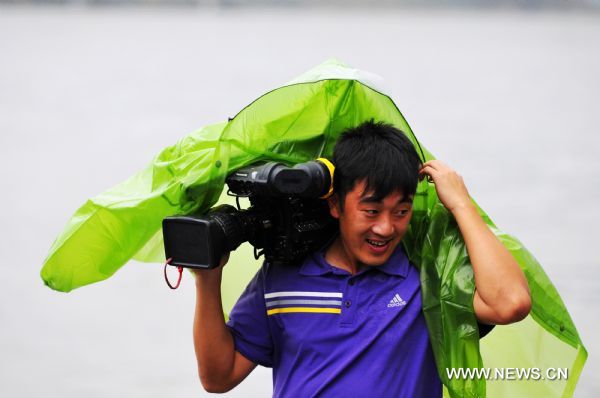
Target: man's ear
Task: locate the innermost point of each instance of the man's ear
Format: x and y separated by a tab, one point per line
334	205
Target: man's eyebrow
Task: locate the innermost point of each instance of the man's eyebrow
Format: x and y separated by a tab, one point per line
375	199
370	199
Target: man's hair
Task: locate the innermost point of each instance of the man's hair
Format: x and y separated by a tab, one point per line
381	155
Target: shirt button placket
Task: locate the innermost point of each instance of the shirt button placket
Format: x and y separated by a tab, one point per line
349	302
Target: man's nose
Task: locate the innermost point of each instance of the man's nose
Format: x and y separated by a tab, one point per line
384	226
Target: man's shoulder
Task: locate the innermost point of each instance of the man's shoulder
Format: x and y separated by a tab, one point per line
297	267
311	274
276	271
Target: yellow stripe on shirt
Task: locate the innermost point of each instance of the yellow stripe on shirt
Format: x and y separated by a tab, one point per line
304	309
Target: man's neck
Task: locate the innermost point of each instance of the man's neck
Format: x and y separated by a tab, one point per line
338	256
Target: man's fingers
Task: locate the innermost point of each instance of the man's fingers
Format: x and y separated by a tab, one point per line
436	169
428	171
436	164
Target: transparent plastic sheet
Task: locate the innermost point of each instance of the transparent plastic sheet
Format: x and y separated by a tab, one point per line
297	123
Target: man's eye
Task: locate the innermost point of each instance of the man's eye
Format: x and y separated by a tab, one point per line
371	211
402	212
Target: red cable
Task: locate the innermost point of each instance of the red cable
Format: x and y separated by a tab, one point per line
180	269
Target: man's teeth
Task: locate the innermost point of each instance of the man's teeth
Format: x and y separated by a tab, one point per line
377	243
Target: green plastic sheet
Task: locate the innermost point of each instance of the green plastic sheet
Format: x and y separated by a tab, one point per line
295	123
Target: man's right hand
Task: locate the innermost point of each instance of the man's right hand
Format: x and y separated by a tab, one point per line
211	272
220	367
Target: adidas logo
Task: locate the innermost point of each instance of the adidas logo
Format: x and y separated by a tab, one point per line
396	301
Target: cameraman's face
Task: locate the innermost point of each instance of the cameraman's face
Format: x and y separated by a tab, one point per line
371	229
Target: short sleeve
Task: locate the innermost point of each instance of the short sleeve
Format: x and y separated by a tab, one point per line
249	323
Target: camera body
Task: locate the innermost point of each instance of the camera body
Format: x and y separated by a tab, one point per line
288	217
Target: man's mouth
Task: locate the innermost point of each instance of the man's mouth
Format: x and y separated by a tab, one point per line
378	243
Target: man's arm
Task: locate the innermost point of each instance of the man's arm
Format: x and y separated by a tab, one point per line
220	367
502	293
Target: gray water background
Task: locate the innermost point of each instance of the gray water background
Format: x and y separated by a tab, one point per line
510	98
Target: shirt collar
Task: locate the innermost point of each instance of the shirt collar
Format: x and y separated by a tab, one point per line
315	265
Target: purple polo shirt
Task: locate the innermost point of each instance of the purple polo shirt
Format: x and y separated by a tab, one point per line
331	334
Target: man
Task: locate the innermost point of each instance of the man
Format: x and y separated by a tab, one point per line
348	320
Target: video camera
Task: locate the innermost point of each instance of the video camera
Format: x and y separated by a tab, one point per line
288	217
